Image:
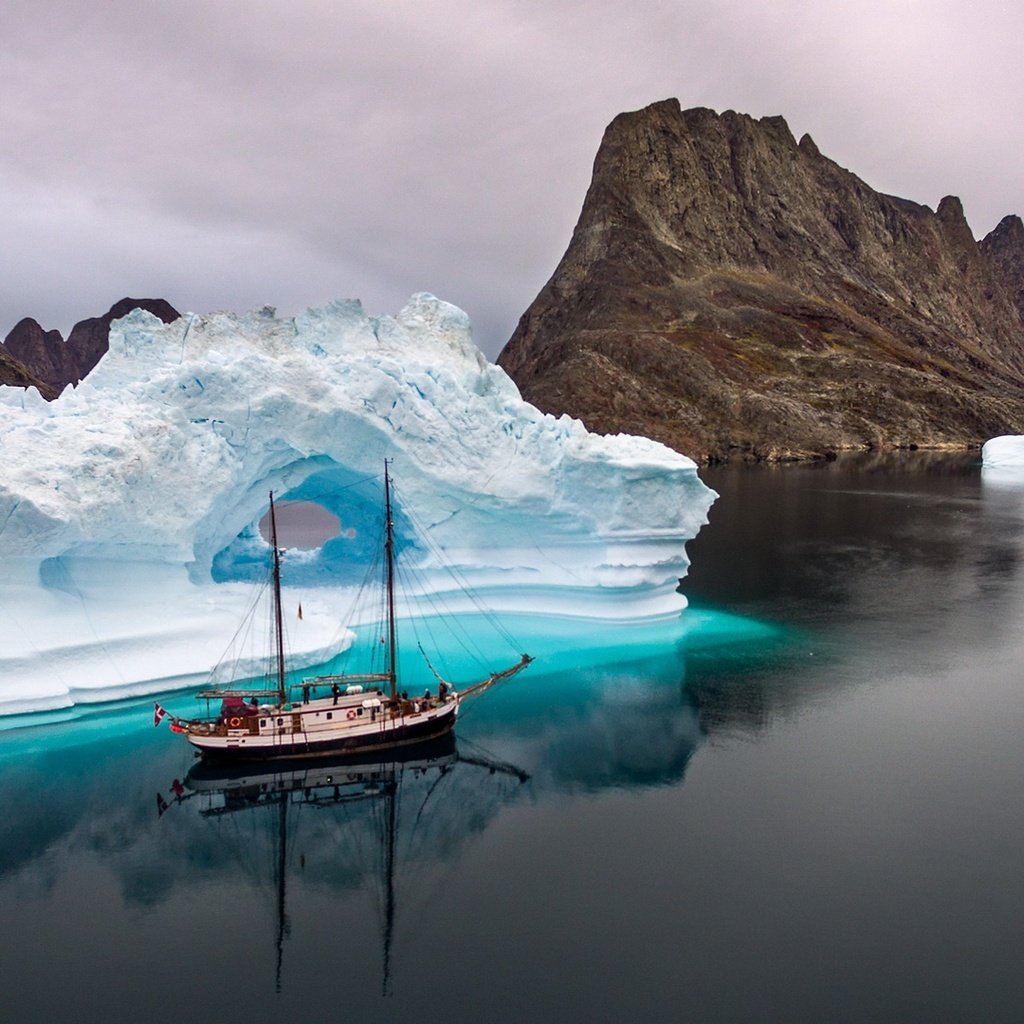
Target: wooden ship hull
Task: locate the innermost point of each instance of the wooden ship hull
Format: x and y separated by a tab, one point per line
354	725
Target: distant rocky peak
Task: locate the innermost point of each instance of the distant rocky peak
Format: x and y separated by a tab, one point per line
158	307
951	210
43	353
1004	248
1007	235
57	362
28	332
777	126
808	146
950	214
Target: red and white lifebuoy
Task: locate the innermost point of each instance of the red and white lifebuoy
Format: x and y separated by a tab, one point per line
234	722
352	713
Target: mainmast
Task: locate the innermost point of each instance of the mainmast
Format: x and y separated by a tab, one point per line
389	549
282	696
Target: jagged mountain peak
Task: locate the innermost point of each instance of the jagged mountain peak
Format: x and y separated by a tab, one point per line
1009	232
54	362
728	289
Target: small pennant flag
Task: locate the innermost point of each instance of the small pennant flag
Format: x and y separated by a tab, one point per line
161	805
158	713
300	609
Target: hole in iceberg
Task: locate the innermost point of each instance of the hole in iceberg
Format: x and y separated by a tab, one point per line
331	528
304	525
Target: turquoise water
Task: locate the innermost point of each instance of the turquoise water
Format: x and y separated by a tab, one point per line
800	802
562	648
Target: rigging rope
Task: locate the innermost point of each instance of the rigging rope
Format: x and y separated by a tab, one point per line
459	578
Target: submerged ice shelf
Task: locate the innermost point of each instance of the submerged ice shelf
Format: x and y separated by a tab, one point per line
129	508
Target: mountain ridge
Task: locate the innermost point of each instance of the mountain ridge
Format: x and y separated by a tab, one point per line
53	362
733	292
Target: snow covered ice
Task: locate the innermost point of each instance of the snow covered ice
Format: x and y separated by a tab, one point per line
129	508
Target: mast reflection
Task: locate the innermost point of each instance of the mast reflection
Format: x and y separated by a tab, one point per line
393	813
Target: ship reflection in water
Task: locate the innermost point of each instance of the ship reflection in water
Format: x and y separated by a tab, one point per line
297	874
395	813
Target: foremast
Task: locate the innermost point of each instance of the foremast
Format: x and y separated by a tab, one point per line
282	695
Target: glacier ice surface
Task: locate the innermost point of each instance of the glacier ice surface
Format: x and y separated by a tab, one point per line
129	507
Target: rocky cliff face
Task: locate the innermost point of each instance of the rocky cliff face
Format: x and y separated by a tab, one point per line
729	291
50	359
56	363
16	373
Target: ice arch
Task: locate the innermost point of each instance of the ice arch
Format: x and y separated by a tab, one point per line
123	502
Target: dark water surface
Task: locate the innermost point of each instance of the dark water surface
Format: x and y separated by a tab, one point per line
804	806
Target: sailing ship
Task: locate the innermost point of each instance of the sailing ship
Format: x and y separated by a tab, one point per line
361	713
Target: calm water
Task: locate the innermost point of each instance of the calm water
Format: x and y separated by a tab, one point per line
803	804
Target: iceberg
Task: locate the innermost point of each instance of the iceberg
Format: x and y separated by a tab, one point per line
1006	452
130	506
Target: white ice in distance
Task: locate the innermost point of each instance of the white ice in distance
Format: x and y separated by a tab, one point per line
129	506
1005	452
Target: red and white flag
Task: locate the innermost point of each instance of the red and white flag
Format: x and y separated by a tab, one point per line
158	713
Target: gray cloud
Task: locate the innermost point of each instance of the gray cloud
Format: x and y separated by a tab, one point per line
233	154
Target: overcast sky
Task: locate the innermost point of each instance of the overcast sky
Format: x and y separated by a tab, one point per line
226	154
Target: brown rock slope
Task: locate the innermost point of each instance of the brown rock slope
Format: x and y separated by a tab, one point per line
729	291
15	372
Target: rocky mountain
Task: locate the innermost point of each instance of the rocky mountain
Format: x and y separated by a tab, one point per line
46	356
15	372
732	292
50	359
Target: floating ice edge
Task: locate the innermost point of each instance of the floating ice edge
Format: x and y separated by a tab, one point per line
1006	452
